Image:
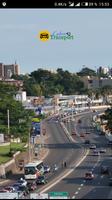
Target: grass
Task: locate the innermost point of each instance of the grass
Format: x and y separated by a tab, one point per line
4	150
4	159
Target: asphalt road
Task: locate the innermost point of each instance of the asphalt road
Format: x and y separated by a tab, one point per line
61	149
75	183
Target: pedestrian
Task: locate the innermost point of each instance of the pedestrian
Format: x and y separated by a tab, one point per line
65	164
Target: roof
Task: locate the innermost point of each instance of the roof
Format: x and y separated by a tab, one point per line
33	164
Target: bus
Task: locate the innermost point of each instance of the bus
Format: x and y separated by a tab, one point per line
33	170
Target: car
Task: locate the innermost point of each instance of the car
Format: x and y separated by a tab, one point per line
102	150
109	142
9	189
79	121
96	153
82	135
92	146
89	175
73	132
22	182
32	186
41	180
87	141
104	170
2	190
19	190
110	181
47	169
87	132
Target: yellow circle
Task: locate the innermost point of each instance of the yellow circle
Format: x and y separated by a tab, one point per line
44	35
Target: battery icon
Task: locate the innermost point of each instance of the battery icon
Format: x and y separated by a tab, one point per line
84	4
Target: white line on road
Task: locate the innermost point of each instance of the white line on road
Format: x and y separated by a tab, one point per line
77	192
79	188
73	197
65	175
81	184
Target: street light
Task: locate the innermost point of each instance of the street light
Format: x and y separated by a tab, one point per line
8	126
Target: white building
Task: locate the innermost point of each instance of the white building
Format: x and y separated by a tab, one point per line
21	96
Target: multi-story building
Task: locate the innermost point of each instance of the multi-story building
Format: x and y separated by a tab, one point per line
6	71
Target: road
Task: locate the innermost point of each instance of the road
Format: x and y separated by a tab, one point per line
75	183
61	149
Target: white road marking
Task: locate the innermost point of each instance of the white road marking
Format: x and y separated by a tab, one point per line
54	182
84	181
77	192
81	184
73	197
79	188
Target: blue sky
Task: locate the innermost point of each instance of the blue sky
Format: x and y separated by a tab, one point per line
92	30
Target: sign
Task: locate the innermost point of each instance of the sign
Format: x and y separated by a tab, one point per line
58	195
1	138
8	195
38	196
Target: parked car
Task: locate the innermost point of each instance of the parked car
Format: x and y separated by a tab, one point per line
47	169
104	170
89	175
41	180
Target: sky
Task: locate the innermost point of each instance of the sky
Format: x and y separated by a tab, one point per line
91	46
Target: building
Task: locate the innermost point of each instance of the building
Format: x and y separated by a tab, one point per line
17	83
95	82
6	71
21	96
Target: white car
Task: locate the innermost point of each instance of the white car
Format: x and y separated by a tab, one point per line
102	150
93	147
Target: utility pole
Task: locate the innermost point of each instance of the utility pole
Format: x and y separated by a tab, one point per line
8	126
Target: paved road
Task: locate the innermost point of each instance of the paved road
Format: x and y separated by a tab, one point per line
75	184
61	149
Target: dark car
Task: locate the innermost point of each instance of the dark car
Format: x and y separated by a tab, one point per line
87	141
104	170
47	169
41	180
79	121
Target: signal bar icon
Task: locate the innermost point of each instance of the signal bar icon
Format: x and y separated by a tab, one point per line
71	4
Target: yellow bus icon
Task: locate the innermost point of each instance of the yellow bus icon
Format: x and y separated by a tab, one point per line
44	36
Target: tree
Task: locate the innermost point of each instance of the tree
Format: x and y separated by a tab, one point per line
87	72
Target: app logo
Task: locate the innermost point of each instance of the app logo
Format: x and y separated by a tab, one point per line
44	35
56	35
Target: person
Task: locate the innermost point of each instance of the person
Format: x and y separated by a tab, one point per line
65	164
